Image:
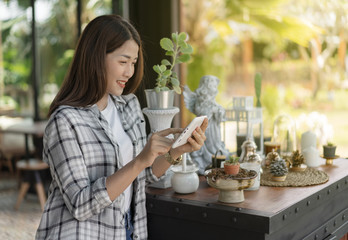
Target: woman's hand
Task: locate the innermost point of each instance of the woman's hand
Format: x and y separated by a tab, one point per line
157	145
195	142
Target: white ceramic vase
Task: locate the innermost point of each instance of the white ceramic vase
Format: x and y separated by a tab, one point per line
185	182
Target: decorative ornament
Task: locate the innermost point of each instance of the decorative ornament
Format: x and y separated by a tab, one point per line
297	158
271	156
297	161
278	169
202	102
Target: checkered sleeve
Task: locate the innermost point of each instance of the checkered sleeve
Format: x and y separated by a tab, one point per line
82	197
134	114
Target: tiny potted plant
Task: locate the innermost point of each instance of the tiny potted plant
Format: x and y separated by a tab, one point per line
329	150
278	170
167	82
297	160
231	166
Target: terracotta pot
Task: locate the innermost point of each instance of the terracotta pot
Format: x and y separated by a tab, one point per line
279	178
231	169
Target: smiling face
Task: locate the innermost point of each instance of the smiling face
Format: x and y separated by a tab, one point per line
119	69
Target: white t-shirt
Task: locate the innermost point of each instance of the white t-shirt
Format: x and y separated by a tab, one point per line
124	142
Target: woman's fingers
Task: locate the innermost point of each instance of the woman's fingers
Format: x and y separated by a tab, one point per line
169	131
162	144
198	139
159	145
204	125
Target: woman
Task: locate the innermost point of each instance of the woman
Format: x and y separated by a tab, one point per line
95	141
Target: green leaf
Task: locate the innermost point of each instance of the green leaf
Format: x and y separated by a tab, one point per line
174	81
184	58
187	50
157	89
162	68
174	75
156	68
165	62
165	89
177	89
182	45
167	73
162	82
175	37
182	36
170	53
167	44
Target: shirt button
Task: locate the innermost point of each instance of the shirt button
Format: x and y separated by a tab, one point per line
136	236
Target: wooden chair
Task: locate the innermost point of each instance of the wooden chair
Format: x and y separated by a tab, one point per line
31	168
10	154
7	162
12	146
30	171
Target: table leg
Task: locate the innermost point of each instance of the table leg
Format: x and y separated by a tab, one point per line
26	136
30	178
22	191
41	193
40	189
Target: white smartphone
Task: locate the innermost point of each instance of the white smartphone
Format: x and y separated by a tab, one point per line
182	139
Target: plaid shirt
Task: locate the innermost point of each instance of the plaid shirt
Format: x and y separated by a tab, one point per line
81	150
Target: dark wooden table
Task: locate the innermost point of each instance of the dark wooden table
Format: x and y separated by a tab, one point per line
34	129
30	167
314	212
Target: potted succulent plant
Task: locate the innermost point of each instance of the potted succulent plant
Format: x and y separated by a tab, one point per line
329	150
167	82
278	169
231	166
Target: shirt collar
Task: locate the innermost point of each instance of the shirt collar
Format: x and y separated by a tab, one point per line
119	100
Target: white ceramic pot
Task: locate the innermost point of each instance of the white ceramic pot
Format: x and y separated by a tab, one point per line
159	100
185	182
230	190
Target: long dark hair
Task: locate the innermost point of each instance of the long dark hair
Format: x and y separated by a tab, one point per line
85	83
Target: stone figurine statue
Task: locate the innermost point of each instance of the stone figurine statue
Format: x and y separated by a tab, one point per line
202	102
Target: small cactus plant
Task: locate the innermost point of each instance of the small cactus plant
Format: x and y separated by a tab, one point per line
231	166
329	150
232	160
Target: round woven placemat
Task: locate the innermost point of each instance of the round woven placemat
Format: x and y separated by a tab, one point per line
310	176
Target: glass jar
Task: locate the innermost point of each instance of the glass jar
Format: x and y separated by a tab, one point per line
284	134
253	162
